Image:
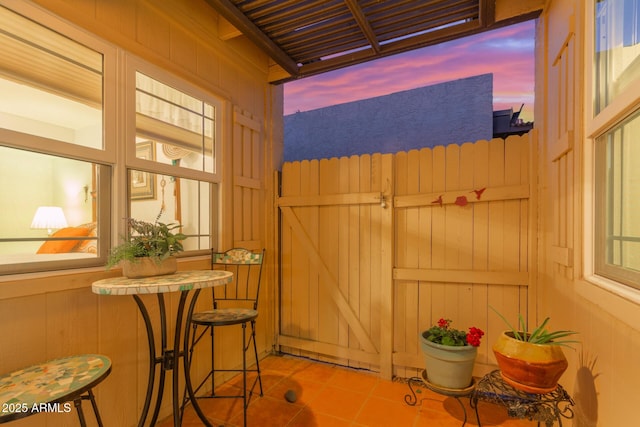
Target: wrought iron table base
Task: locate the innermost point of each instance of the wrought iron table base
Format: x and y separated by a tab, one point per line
168	359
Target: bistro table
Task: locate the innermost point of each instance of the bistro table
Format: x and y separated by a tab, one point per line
50	386
183	282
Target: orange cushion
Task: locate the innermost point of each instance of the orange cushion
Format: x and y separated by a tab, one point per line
63	246
88	246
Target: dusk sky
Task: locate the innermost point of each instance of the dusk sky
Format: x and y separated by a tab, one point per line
508	53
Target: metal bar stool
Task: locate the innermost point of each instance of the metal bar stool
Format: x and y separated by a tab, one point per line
50	386
234	304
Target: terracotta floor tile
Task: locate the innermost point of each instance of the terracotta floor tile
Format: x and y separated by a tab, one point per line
333	396
251	377
379	412
361	382
305	390
190	418
270	379
223	408
318	372
399	390
282	364
307	418
439	419
268	412
338	402
390	390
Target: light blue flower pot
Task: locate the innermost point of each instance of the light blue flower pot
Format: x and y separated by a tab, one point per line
448	366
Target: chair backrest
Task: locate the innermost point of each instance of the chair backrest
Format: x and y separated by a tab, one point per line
247	275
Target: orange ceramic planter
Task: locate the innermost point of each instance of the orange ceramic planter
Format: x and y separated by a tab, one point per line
534	368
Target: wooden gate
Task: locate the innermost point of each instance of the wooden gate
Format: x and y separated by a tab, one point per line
376	248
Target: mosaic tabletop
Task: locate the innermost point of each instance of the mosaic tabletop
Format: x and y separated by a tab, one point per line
36	388
180	281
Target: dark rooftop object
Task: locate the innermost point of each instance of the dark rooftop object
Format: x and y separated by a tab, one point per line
506	122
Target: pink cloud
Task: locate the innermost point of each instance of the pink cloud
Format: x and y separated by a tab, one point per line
506	52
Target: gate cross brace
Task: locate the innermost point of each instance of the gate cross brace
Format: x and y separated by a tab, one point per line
331	283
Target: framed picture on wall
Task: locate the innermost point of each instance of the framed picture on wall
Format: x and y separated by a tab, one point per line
143	185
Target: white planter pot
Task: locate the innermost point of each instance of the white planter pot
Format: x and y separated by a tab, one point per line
448	366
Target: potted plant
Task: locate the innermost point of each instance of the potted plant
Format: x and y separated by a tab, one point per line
532	361
449	354
148	250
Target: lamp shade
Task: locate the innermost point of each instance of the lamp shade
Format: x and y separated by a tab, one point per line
49	217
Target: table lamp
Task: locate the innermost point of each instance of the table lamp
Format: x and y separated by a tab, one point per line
49	218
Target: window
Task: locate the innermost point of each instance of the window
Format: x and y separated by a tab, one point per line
54	164
62	135
617	48
183	125
172	168
618	203
51	85
616	149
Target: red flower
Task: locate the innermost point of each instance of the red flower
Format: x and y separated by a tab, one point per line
442	333
474	336
443	323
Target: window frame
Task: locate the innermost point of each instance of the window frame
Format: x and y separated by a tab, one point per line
134	64
597	125
104	158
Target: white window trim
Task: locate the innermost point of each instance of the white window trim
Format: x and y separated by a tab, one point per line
128	158
134	64
619	300
106	156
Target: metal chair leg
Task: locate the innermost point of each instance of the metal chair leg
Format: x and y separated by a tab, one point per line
255	351
213	361
245	403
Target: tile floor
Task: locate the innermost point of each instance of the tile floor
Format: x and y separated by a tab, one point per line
333	396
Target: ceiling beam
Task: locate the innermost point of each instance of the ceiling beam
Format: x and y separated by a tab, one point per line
231	13
364	24
487	12
226	31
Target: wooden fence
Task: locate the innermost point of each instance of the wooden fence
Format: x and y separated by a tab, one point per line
376	248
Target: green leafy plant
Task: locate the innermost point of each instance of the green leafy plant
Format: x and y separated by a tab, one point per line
539	335
444	334
157	241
